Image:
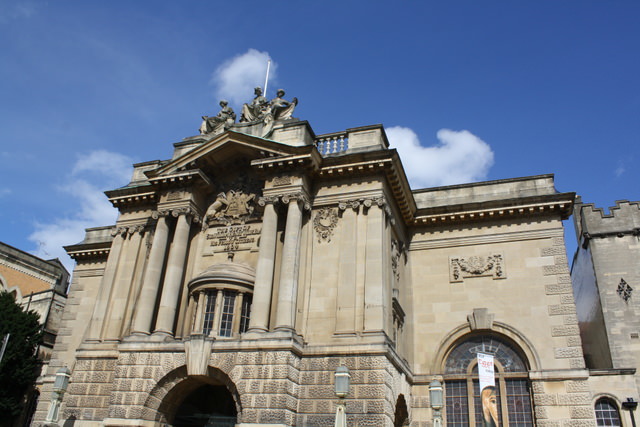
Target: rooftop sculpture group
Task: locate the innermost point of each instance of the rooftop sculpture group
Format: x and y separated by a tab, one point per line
258	111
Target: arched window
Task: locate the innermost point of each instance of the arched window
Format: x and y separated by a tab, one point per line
220	300
607	412
462	387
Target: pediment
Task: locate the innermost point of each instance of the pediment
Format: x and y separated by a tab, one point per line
230	150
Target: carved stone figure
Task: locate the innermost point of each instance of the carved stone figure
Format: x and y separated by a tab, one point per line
257	109
217	124
280	108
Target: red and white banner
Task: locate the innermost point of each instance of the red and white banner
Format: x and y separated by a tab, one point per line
486	371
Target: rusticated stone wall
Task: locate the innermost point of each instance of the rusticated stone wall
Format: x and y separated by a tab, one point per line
273	387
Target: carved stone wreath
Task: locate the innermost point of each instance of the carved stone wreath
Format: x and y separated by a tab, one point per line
324	223
476	266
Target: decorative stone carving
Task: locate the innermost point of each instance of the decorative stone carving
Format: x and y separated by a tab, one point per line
281	180
299	196
324	223
395	258
217	124
480	319
476	266
232	207
353	204
624	290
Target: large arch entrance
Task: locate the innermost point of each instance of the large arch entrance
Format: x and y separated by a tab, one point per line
200	401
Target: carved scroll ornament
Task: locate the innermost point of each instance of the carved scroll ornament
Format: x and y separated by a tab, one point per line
476	266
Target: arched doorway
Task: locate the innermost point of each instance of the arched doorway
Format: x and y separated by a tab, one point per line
199	401
208	405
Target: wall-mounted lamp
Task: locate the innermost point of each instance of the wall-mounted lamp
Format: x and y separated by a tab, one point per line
343	380
631	405
436	396
59	388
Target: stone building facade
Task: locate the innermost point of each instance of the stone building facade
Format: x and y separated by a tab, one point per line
37	285
244	270
606	275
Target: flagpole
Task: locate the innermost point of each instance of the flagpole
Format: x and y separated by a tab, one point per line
266	79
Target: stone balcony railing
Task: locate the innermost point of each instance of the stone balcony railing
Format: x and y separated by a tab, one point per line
332	143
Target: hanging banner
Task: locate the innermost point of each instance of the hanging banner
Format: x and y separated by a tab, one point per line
485	370
488	394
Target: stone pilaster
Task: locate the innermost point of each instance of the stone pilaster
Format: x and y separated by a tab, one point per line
100	309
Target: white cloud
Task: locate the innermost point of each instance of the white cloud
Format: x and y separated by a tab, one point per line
92	173
236	78
459	157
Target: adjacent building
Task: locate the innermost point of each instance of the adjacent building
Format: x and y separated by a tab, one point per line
41	286
243	271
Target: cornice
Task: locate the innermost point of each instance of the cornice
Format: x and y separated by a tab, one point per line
368	163
554	204
89	251
306	161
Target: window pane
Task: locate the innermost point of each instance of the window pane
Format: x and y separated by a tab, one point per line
519	403
209	308
457	408
244	317
466	352
477	403
607	413
229	300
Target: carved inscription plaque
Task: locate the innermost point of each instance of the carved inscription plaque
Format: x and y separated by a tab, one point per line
232	238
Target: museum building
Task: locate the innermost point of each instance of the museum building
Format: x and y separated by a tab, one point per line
261	260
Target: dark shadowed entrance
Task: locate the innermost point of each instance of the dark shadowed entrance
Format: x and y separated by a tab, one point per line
208	405
200	400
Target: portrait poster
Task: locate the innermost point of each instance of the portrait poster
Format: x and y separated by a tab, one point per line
488	394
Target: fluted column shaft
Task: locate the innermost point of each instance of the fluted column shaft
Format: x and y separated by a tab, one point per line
263	287
287	295
148	293
173	277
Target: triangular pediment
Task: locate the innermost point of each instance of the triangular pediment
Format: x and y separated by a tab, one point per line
228	150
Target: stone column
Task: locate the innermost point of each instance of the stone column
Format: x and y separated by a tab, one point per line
217	314
287	294
106	285
375	278
200	301
119	300
237	313
149	293
263	287
173	276
346	300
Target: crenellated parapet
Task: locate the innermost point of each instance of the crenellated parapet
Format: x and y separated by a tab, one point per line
593	222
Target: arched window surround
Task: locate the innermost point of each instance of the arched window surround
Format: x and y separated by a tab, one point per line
462	394
615	404
499	329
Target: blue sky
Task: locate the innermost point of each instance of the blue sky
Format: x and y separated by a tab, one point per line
467	90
